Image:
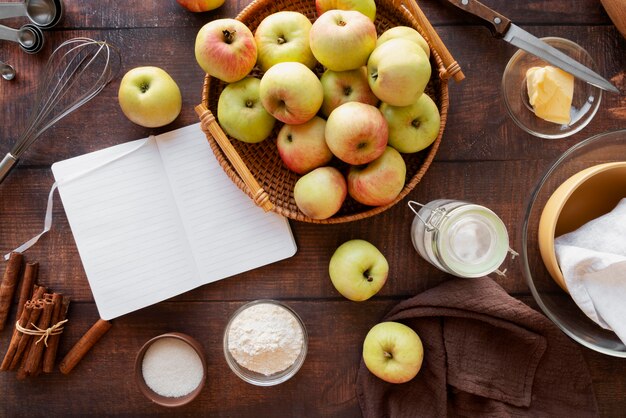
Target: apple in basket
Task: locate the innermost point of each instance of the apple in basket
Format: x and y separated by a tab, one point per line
358	270
303	147
356	133
342	40
393	352
149	97
225	49
404	32
399	71
241	114
291	92
346	86
284	36
200	5
367	7
379	182
412	128
320	193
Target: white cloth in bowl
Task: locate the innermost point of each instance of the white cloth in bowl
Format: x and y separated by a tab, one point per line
593	262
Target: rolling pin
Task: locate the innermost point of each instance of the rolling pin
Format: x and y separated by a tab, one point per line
616	9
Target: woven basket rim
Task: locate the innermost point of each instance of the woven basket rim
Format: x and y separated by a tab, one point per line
253	8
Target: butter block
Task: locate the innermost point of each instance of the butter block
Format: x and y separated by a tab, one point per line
550	92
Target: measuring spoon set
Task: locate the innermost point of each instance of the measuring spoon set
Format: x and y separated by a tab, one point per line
42	14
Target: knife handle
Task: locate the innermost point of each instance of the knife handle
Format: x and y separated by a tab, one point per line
497	24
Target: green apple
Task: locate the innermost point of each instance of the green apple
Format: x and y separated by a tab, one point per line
303	147
320	193
358	270
399	71
393	352
379	182
291	92
284	36
405	32
225	49
342	40
346	86
241	114
412	128
200	5
356	133
367	7
149	97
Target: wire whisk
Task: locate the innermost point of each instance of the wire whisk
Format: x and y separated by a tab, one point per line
76	72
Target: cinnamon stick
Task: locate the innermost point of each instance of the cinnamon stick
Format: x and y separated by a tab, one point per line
82	347
24	342
7	288
35	354
15	338
59	314
31	272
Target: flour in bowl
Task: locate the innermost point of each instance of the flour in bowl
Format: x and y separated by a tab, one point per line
265	338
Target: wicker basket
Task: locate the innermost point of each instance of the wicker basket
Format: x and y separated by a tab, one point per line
262	160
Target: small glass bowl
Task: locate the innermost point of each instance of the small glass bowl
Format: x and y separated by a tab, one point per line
556	304
164	400
260	379
585	102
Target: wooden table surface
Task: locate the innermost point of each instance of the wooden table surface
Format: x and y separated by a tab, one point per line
484	158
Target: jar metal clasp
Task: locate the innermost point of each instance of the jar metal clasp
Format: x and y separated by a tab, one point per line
436	217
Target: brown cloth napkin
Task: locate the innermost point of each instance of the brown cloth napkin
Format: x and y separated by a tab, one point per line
485	354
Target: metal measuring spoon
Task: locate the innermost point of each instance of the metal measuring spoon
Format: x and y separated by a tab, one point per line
30	37
7	71
43	13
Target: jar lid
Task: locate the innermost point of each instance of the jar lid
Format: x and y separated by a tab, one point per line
472	241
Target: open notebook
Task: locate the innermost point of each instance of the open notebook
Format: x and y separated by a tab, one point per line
156	217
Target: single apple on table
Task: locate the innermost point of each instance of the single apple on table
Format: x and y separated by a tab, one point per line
200	5
358	270
342	40
412	128
241	114
356	133
367	7
291	92
225	49
379	182
346	86
399	71
284	36
149	97
405	32
393	352
320	193
303	147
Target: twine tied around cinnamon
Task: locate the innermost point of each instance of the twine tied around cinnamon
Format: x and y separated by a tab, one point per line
43	334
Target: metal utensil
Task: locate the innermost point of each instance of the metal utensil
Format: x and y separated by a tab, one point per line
43	13
502	27
29	36
75	73
7	71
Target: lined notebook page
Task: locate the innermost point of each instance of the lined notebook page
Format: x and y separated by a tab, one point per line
228	233
144	223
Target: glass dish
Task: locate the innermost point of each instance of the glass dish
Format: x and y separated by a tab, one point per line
556	304
260	379
585	102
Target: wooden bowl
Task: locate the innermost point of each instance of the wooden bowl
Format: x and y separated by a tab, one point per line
585	196
263	160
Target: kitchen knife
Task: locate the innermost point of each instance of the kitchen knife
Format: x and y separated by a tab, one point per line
502	27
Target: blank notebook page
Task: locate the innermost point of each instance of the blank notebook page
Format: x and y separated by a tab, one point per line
162	220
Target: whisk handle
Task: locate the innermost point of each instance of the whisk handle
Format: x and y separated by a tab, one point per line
6	165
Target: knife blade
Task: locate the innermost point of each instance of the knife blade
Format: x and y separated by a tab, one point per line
502	27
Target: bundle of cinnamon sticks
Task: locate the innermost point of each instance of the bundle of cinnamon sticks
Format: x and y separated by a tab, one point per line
40	318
